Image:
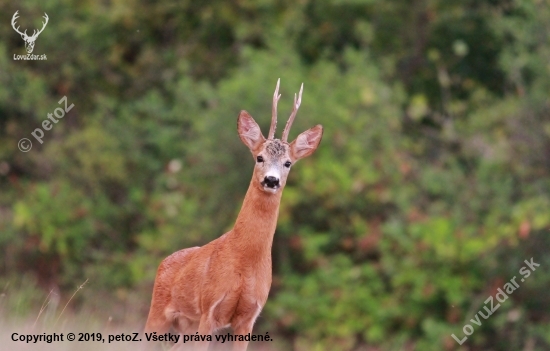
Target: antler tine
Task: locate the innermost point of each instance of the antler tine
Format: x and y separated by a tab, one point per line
15	17
295	108
14	20
46	18
43	24
276	97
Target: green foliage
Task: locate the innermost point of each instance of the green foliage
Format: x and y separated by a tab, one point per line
429	189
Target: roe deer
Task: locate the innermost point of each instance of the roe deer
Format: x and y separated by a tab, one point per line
226	282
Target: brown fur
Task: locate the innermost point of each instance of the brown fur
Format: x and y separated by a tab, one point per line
227	281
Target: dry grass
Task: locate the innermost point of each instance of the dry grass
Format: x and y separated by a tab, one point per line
50	319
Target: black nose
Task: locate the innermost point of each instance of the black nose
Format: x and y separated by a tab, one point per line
271	181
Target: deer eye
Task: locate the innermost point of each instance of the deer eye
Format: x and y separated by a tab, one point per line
287	164
260	159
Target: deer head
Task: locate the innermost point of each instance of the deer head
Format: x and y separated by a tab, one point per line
29	40
275	157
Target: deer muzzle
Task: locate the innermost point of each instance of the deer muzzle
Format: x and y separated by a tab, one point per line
271	182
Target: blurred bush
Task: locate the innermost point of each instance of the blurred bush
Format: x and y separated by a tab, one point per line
430	187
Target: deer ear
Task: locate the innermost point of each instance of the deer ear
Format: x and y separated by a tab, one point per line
306	143
249	131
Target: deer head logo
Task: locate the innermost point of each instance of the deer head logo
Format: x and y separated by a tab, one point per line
29	40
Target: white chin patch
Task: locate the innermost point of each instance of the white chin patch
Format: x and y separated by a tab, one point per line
270	190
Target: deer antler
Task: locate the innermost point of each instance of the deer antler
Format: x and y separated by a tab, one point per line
43	26
276	97
24	34
13	20
295	108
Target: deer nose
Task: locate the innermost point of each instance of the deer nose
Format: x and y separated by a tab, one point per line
271	181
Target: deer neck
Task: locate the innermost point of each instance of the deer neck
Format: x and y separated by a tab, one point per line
255	225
